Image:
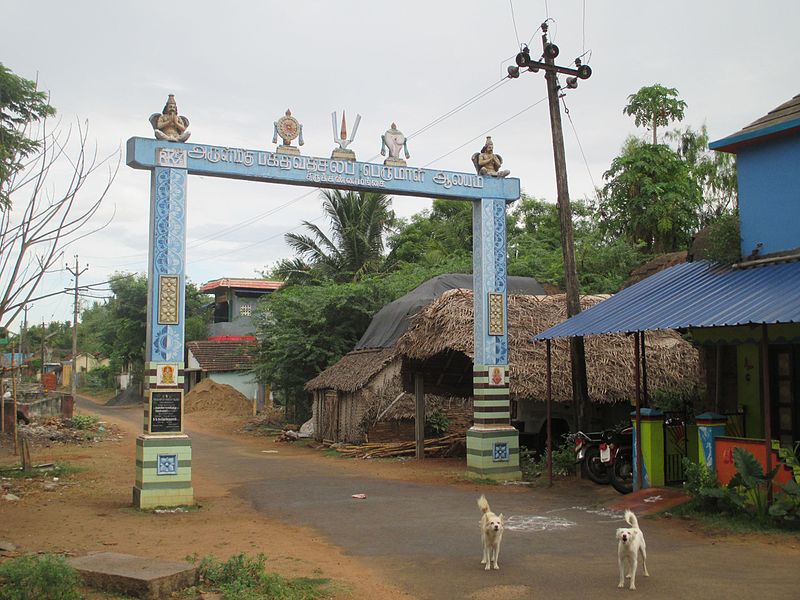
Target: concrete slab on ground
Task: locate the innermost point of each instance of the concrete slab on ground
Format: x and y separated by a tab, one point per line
147	578
651	500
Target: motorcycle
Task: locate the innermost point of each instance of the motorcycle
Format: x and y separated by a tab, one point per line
587	453
616	455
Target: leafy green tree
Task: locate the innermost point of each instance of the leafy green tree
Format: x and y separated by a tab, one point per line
118	327
305	329
443	233
534	247
53	339
655	106
358	223
21	105
714	172
651	198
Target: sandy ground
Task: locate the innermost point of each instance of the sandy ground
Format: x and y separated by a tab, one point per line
91	510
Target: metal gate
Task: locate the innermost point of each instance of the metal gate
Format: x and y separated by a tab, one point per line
676	445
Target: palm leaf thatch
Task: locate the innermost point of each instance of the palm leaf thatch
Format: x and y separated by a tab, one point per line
447	325
353	371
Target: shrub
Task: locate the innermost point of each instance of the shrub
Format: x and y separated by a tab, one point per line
85	421
46	577
243	577
533	466
437	423
698	477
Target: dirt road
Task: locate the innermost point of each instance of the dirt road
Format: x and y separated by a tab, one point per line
414	536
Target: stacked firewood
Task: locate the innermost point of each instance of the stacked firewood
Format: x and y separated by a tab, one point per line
444	446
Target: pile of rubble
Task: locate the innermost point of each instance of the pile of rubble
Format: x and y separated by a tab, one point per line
46	430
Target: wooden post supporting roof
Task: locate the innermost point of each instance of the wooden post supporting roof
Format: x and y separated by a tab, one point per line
419	414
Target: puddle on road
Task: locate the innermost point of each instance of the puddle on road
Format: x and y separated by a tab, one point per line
537	523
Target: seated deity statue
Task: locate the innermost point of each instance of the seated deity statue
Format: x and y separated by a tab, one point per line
487	163
168	125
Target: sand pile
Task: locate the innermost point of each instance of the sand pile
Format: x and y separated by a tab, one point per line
209	396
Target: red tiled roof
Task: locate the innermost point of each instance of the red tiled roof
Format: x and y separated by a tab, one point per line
235	355
249	284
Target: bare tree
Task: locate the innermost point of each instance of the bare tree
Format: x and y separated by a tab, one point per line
45	217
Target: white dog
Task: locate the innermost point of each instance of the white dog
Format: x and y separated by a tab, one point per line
491	533
631	543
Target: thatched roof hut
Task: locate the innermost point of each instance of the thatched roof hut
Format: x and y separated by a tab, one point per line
446	326
361	398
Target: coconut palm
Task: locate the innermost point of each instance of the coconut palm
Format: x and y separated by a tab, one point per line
358	222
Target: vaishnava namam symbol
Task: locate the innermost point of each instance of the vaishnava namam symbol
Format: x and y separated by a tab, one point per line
340	138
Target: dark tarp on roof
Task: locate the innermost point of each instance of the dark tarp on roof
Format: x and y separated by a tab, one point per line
698	294
390	322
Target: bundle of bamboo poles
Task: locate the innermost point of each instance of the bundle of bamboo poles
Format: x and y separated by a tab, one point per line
433	447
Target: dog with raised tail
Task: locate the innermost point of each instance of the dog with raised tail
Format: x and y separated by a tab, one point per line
630	545
491	534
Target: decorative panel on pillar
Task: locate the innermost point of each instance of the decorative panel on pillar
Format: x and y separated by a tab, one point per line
167	280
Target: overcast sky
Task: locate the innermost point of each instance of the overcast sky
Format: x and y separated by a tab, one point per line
235	67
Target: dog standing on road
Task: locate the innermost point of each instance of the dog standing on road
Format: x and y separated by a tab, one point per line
491	534
630	544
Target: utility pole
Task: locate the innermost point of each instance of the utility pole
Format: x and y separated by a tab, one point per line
24	331
74	379
580	388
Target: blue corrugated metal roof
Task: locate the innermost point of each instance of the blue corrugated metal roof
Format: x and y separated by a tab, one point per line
697	294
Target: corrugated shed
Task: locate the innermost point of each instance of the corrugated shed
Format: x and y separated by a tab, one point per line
699	294
229	355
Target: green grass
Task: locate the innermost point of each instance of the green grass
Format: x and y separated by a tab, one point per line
46	577
722	523
59	469
244	577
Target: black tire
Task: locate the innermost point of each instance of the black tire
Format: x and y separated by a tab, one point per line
595	469
622	472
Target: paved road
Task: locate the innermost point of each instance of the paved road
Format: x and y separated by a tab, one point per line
425	538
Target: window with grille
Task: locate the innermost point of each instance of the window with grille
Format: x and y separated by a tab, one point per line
245	310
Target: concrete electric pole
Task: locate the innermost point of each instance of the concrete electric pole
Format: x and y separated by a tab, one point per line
74	378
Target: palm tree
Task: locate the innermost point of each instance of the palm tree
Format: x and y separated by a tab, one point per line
358	222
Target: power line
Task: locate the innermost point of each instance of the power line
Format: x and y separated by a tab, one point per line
580	146
514	116
514	20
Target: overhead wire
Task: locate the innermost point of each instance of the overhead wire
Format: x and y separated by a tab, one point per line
503	122
514	20
580	147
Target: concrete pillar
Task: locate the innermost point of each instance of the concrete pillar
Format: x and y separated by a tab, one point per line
492	442
163	451
709	426
652	421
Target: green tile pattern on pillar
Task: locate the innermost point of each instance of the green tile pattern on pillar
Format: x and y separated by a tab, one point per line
152	489
480	461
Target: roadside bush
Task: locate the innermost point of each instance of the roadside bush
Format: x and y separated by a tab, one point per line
437	423
244	577
533	466
46	577
84	421
700	481
746	493
99	378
